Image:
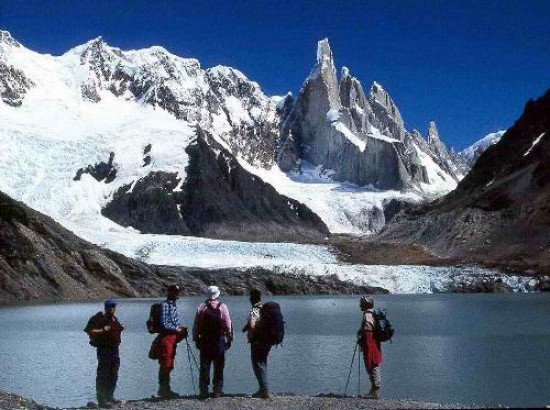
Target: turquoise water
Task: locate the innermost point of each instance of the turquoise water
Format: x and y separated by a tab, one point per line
483	349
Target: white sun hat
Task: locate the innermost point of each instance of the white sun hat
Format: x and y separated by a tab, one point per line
212	292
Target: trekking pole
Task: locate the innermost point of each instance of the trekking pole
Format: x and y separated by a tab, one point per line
191	369
350	369
192	354
358	377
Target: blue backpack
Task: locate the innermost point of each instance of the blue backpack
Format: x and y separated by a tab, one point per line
383	329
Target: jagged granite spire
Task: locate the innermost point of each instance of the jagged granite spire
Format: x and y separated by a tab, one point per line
355	104
387	116
325	71
333	134
440	153
433	134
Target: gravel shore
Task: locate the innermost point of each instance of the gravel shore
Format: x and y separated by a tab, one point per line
10	401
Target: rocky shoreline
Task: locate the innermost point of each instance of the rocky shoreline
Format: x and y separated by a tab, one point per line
9	401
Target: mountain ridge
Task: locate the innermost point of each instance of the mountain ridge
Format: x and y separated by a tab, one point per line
94	78
499	213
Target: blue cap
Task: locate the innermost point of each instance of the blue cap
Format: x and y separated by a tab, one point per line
110	302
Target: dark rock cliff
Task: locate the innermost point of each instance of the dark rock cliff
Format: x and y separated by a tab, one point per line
500	213
218	199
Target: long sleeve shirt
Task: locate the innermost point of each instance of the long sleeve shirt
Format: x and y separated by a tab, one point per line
169	318
367	323
252	320
226	325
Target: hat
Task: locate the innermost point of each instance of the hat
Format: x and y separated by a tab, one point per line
367	301
212	292
110	303
173	288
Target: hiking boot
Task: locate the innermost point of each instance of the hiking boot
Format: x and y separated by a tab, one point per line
373	394
114	401
104	405
217	394
261	394
169	395
203	395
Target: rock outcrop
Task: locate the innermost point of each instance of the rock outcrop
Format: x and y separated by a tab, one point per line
13	82
218	199
102	171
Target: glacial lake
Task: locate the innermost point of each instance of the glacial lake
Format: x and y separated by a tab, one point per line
486	349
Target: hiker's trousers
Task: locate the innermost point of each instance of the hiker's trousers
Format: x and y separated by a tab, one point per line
108	363
374	376
258	354
207	358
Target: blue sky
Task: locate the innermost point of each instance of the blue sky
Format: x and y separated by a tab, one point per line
469	65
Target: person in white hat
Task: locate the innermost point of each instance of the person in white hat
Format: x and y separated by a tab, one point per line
212	334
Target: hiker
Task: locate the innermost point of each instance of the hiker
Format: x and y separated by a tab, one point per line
259	349
104	331
170	334
212	334
372	351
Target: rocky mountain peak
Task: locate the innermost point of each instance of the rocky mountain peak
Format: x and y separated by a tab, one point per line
433	133
13	82
389	119
324	54
325	71
98	52
345	72
7	39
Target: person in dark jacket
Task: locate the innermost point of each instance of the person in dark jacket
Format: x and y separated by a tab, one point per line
166	342
105	331
259	350
372	351
212	334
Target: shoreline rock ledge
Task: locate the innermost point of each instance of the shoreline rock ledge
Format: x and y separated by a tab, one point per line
10	401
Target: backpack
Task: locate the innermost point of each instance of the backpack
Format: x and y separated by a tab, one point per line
383	330
154	323
211	323
271	326
96	340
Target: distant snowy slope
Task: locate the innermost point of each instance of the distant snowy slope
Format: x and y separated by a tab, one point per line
472	153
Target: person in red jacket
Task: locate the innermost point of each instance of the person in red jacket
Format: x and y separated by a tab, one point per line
166	342
372	352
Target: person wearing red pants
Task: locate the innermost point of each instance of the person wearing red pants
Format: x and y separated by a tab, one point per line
372	351
166	342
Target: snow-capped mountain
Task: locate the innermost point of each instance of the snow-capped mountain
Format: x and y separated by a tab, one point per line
360	138
156	143
474	151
